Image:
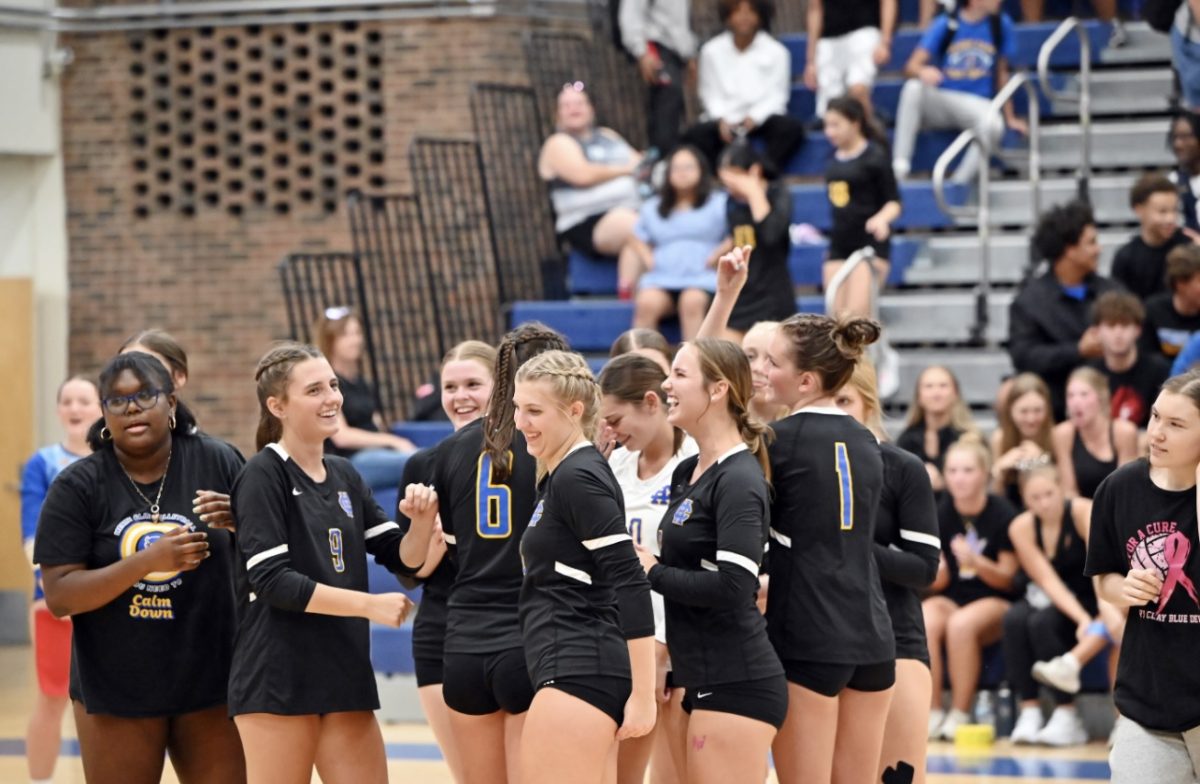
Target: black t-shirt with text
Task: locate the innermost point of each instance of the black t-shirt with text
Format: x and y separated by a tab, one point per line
296	533
825	602
1166	330
769	294
1136	524
713	538
483	520
163	647
858	188
1134	391
585	593
987	533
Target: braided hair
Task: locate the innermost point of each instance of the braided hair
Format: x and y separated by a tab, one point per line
517	347
724	360
828	347
272	374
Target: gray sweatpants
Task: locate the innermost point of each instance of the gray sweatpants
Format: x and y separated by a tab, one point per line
1141	756
923	107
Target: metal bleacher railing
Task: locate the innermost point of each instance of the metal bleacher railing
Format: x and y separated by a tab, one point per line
1082	99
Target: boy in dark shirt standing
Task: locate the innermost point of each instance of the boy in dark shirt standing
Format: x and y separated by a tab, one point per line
1134	377
1140	264
1173	316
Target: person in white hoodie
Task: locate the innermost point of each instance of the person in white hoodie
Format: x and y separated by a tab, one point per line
745	82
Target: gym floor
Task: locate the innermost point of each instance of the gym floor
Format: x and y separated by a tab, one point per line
414	757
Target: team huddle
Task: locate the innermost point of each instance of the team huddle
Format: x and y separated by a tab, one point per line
595	554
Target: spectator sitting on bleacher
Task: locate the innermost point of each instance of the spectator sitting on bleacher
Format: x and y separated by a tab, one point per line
1106	11
1173	316
1048	321
592	188
847	44
1185	40
936	419
974	585
1024	437
959	65
759	215
1134	376
1059	604
679	238
1140	264
363	437
745	85
658	35
1185	144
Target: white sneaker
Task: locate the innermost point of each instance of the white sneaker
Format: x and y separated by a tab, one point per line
1061	672
1029	724
954	719
936	717
1065	728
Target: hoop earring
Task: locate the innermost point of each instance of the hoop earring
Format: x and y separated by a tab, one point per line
171	422
105	434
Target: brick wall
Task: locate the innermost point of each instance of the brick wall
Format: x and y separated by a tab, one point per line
184	190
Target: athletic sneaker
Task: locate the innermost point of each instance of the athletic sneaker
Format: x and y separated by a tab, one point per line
1065	728
936	717
1029	724
1119	37
954	719
1061	672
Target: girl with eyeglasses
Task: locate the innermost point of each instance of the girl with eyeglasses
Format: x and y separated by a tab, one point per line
149	585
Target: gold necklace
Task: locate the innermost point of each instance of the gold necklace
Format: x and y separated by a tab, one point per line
154	507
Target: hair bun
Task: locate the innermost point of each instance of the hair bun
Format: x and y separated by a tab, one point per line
851	336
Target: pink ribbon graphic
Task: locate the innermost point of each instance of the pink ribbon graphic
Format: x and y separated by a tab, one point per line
1176	550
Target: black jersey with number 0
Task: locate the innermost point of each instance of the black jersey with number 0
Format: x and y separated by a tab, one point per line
163	646
713	538
296	532
429	627
907	546
1138	525
483	520
585	593
825	603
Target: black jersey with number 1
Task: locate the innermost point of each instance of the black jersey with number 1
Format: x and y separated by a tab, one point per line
713	538
296	532
825	603
483	520
585	593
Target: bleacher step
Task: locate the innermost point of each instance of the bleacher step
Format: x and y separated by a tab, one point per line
978	371
1125	144
1144	46
943	317
955	260
1122	92
1109	196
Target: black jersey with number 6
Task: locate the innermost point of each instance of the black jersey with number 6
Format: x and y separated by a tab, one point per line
825	603
483	521
296	532
713	537
585	593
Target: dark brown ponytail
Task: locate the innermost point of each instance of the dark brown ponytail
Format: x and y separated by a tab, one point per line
829	348
523	343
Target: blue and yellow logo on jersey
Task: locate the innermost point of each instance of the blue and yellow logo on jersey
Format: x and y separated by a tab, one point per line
662	497
537	514
839	193
682	513
137	536
344	502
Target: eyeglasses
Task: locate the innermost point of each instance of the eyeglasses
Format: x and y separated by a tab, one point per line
337	312
578	87
119	404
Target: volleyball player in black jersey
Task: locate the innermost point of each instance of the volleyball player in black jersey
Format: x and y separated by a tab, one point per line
586	618
907	550
486	484
825	608
466	378
713	538
149	584
302	689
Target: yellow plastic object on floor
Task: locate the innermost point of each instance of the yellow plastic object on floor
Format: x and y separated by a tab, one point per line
974	737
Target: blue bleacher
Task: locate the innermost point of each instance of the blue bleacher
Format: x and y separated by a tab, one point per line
423	434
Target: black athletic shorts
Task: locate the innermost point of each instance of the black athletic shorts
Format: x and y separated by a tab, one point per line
765	700
841	249
830	679
579	236
606	692
429	671
481	683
